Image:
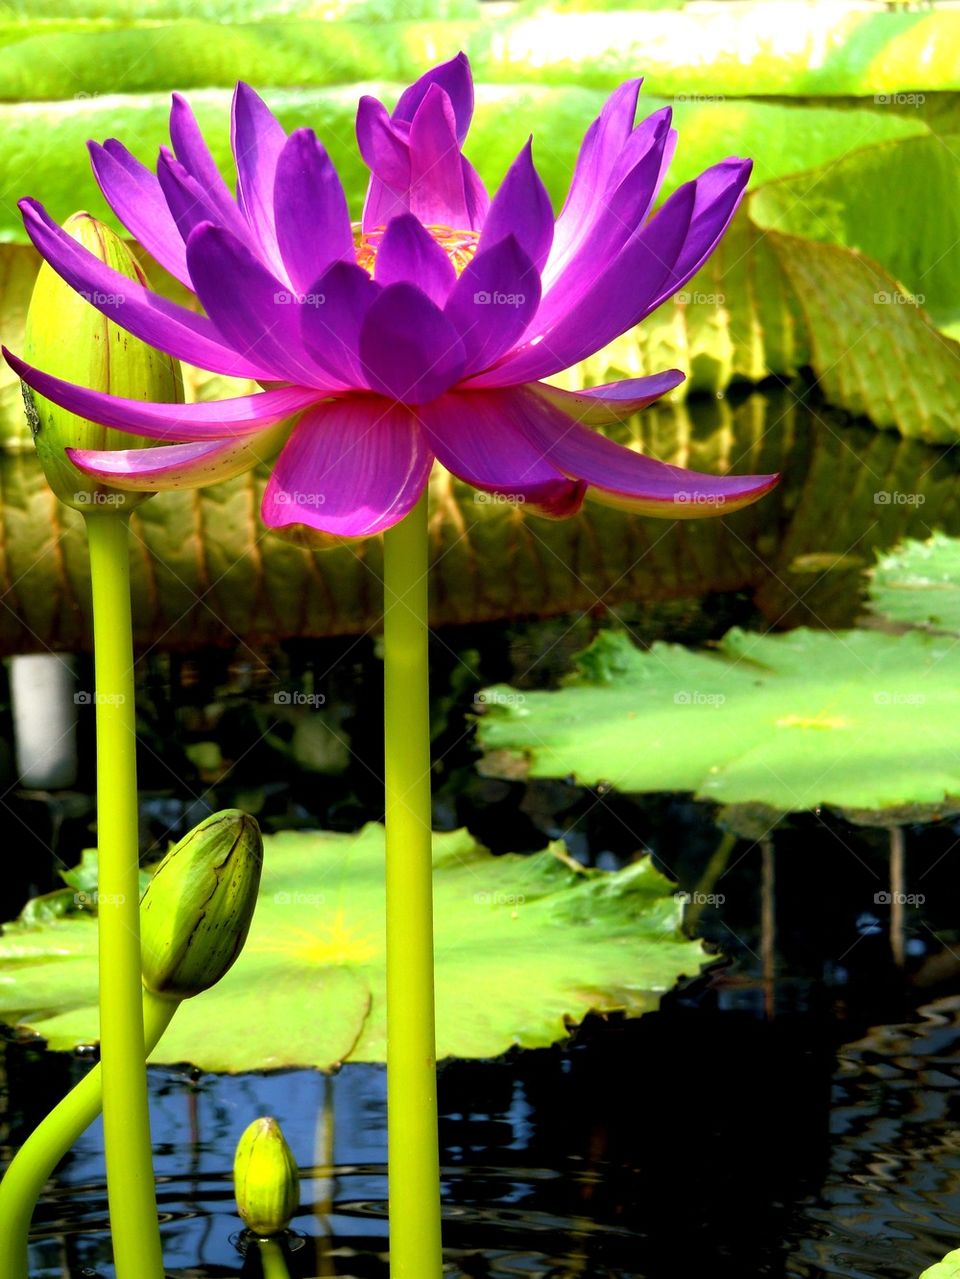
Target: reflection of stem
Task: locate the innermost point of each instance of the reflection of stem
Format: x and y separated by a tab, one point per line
413	1152
49	1142
272	1259
131	1188
323	1158
768	928
712	872
898	889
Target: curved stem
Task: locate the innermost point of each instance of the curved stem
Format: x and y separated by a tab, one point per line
126	1119
414	1172
39	1155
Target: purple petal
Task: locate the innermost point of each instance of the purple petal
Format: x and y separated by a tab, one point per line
194	154
437	195
620	477
409	253
351	469
180	466
331	319
718	193
477	436
255	312
455	79
521	208
493	302
600	150
257	138
607	304
410	351
187	199
148	316
617	211
136	197
209	420
310	210
387	155
614	402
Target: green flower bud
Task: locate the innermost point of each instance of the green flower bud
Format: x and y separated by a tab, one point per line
197	908
265	1178
67	336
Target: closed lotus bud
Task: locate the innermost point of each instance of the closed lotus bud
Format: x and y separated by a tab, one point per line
67	336
265	1178
197	908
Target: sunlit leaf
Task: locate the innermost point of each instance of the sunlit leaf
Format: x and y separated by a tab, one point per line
919	583
857	720
526	946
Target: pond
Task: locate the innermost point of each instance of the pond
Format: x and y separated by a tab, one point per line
788	1113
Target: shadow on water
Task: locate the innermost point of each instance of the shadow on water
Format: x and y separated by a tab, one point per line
792	1113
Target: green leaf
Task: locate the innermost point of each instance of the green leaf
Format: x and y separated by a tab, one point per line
918	583
526	946
948	1268
856	720
854	203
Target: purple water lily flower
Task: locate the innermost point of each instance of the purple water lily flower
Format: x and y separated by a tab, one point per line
424	334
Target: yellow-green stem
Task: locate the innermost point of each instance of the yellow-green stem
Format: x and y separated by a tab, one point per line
39	1155
413	1167
273	1262
126	1119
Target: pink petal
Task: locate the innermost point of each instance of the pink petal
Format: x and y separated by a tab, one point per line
614	402
620	477
351	469
180	466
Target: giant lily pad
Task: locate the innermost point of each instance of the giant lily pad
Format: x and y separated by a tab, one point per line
526	946
918	583
858	720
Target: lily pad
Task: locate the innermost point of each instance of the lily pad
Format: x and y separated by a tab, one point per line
857	720
526	946
919	583
948	1268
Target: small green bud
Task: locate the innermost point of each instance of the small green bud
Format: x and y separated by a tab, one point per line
67	336
265	1178
196	911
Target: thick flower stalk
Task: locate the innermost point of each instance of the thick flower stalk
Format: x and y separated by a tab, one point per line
426	332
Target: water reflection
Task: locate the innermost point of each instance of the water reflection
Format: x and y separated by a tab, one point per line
738	1146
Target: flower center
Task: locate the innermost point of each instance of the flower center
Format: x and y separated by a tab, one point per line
459	246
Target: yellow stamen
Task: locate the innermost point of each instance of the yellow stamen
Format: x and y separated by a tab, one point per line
459	246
